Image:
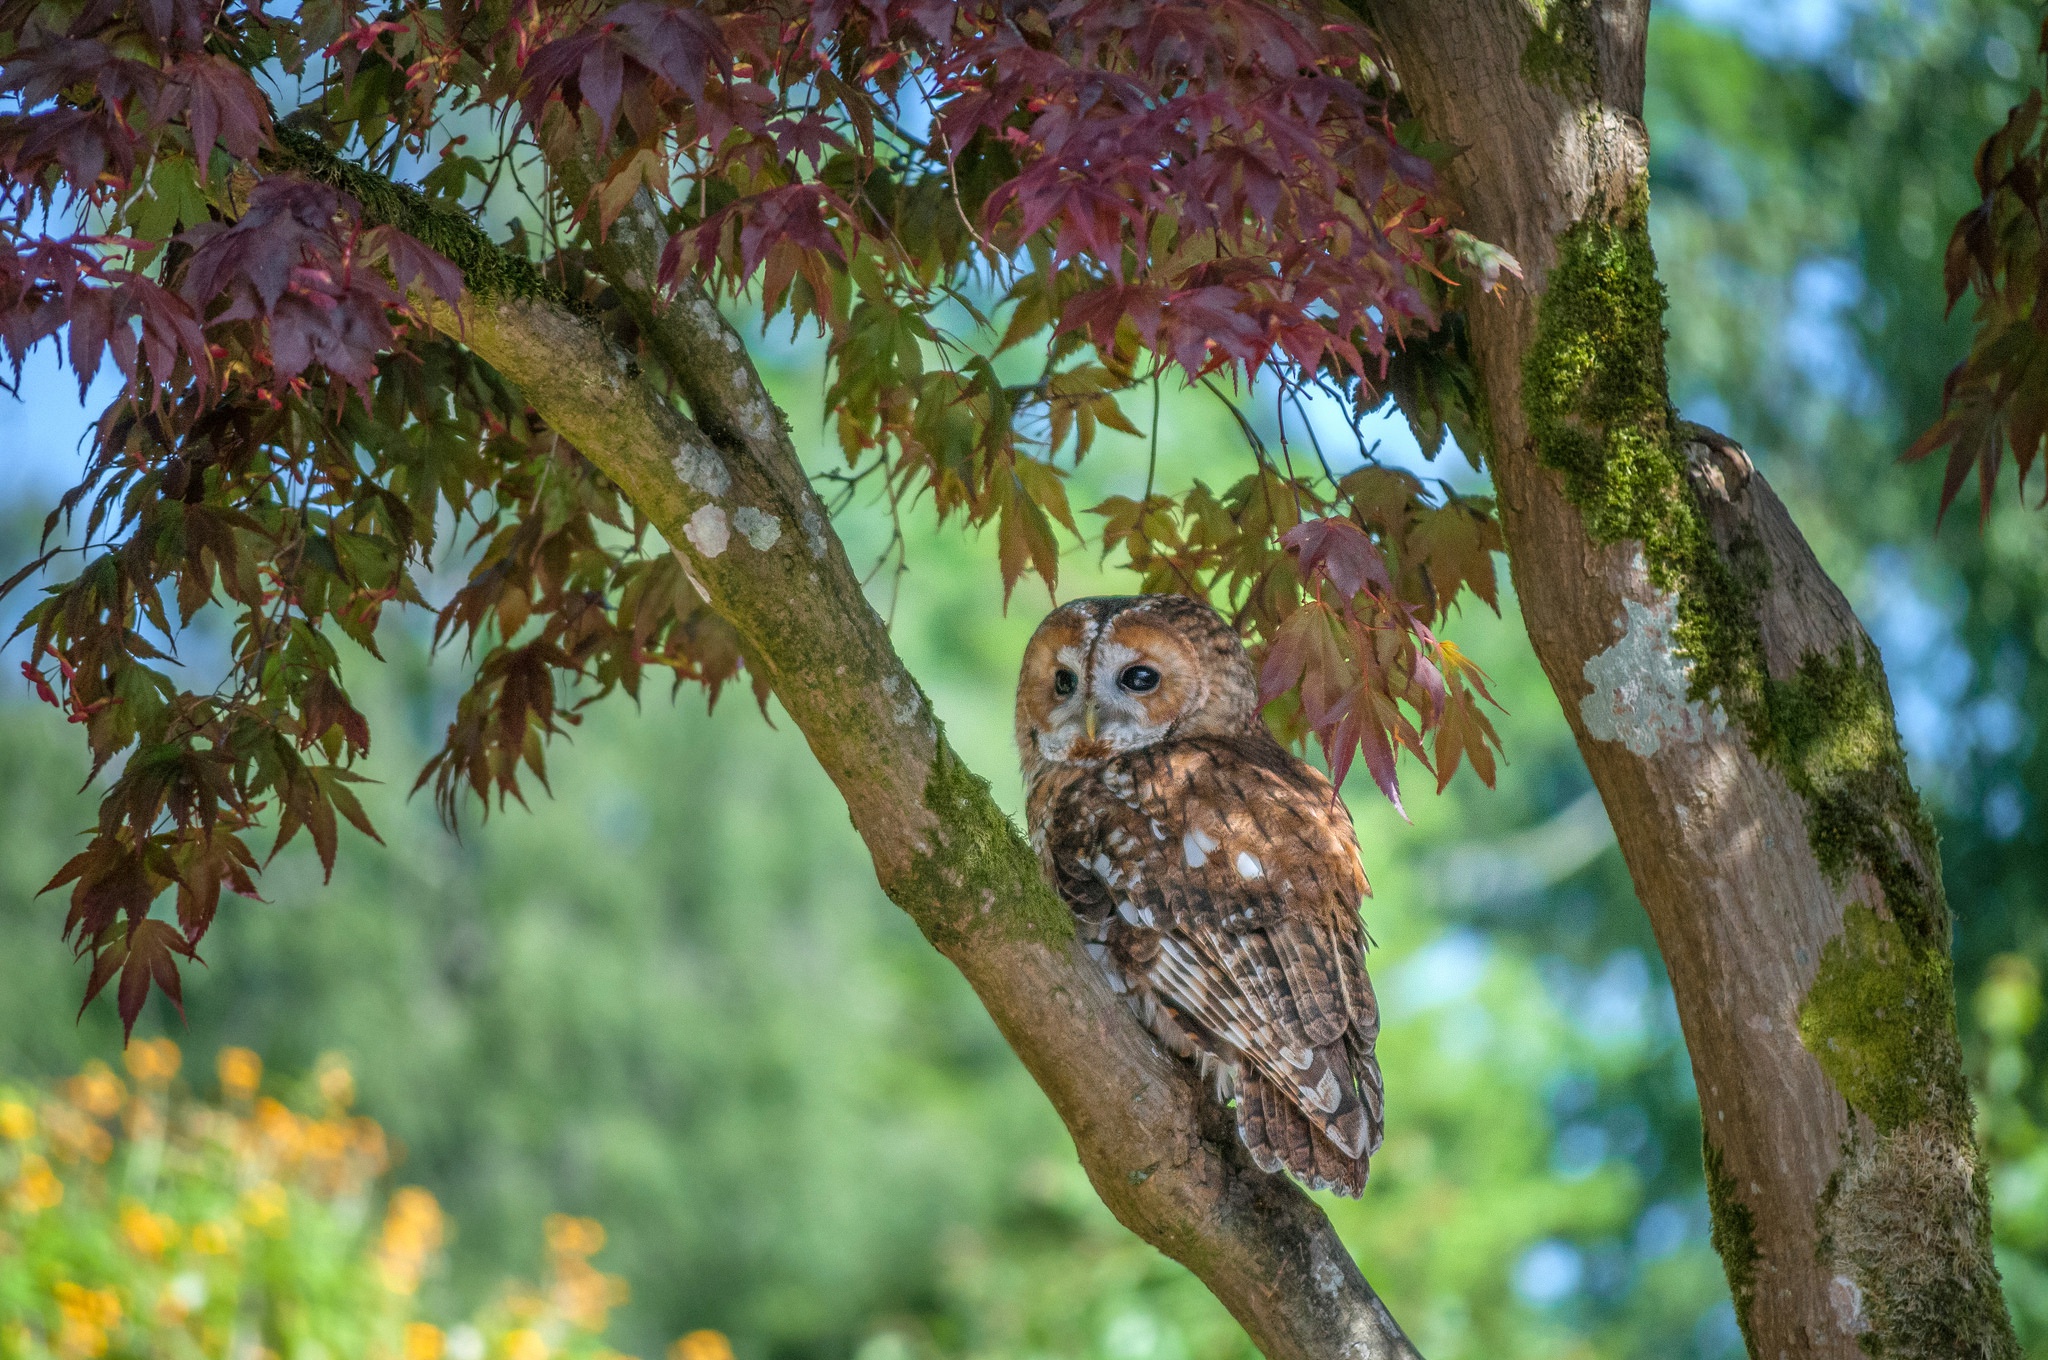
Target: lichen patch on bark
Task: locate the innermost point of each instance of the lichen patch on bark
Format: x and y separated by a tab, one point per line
708	531
1641	695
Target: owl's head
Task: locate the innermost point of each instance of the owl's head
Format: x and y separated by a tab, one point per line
1117	673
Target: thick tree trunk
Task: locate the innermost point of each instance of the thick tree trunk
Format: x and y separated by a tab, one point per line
1730	708
725	489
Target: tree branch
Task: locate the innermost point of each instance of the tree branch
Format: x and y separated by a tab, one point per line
728	493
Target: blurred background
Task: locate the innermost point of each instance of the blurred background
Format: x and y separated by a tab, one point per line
671	999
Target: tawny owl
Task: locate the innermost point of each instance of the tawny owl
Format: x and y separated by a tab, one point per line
1214	874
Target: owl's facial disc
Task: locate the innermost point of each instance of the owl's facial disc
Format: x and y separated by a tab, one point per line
1098	691
1102	677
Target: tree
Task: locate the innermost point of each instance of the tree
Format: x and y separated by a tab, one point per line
329	371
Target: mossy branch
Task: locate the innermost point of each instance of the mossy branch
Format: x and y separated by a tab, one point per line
489	271
942	848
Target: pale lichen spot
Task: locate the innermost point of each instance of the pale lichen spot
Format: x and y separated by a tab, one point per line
1845	1298
703	469
1640	686
758	527
707	531
1327	1274
905	710
757	418
814	531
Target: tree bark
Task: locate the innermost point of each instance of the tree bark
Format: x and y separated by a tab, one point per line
1730	708
724	487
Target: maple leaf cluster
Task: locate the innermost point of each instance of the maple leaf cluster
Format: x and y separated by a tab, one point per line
1997	397
1006	218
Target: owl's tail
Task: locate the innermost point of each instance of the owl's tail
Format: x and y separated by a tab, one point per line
1287	1130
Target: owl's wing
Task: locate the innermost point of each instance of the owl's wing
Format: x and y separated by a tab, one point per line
1233	877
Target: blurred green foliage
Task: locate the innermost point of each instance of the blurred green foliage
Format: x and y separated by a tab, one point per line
671	997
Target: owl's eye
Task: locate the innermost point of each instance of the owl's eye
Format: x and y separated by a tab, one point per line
1063	682
1139	679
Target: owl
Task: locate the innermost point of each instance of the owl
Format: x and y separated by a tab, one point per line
1214	875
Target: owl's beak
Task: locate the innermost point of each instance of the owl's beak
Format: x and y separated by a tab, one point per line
1088	719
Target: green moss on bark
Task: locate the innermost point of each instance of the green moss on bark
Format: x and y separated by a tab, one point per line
1595	394
488	269
1733	1234
1560	50
1880	1018
980	868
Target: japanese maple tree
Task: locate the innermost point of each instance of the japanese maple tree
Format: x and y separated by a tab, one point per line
392	288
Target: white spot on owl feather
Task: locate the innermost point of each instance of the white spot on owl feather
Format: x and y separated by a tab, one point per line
1195	846
1327	1093
708	531
760	528
1639	685
1248	865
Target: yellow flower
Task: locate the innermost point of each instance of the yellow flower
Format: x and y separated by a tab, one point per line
524	1343
147	1234
36	1187
152	1062
17	1121
96	1090
217	1238
423	1341
241	1072
337	1084
702	1345
279	1127
326	1139
412	1233
265	1206
74	1136
569	1236
87	1315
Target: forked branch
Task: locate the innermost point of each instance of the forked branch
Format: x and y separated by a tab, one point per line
724	487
